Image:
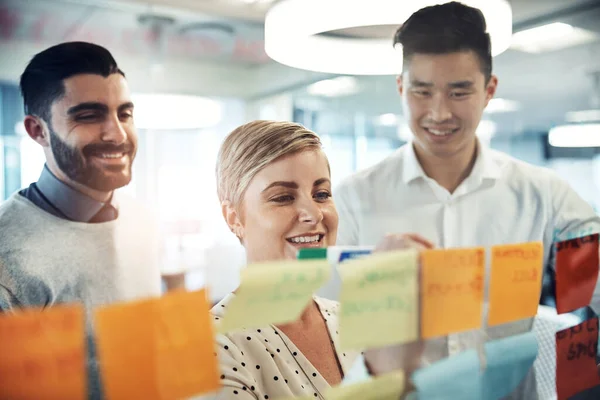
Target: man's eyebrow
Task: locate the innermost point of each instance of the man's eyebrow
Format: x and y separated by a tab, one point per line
88	106
125	106
418	83
461	84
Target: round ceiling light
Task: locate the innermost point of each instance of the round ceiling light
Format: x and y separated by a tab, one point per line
294	28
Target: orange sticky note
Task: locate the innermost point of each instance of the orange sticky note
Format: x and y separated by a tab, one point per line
516	282
576	272
157	349
451	290
576	349
42	354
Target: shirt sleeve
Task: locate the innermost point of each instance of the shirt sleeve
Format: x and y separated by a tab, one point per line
346	203
237	383
572	217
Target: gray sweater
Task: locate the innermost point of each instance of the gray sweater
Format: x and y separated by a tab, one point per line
46	260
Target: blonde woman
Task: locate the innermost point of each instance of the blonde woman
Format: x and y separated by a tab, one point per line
274	184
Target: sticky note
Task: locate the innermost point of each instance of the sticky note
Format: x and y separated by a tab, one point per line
451	290
352	254
43	354
456	377
576	350
515	283
379	300
311	254
384	387
508	360
160	348
576	272
274	293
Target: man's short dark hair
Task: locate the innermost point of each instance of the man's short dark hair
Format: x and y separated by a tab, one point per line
446	28
42	81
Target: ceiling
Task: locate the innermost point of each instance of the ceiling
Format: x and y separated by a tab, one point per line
546	85
215	47
523	10
135	28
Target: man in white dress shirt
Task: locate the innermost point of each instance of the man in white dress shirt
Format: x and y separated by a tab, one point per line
445	185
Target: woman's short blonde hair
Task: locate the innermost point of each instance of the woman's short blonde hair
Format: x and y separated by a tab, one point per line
251	147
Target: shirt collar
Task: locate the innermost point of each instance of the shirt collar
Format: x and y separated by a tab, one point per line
484	167
411	168
73	204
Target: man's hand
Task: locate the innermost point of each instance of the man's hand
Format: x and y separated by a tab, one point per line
398	241
406	356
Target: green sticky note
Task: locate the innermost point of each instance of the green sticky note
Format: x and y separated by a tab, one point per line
274	293
311	254
379	292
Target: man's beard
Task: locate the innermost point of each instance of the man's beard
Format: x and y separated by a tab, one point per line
76	164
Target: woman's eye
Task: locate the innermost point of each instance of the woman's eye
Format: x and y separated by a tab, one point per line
322	195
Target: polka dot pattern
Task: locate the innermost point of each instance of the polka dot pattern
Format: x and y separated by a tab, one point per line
264	363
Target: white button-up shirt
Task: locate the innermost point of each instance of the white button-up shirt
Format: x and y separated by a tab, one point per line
502	201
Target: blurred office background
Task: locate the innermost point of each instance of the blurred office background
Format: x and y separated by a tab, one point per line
198	69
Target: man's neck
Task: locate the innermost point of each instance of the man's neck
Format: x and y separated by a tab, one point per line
448	172
100	196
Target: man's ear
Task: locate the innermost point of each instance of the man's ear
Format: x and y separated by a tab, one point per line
232	218
37	130
399	84
490	89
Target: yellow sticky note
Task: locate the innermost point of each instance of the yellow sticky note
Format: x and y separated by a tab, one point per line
379	300
516	282
451	290
42	354
274	293
157	349
384	387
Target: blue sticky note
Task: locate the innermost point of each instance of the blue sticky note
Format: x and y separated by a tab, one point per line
352	254
508	361
456	377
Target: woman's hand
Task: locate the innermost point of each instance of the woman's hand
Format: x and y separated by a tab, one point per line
398	241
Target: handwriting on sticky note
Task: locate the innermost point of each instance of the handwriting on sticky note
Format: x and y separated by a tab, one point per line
274	293
385	387
379	292
576	349
576	272
167	343
516	282
42	354
508	360
451	290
